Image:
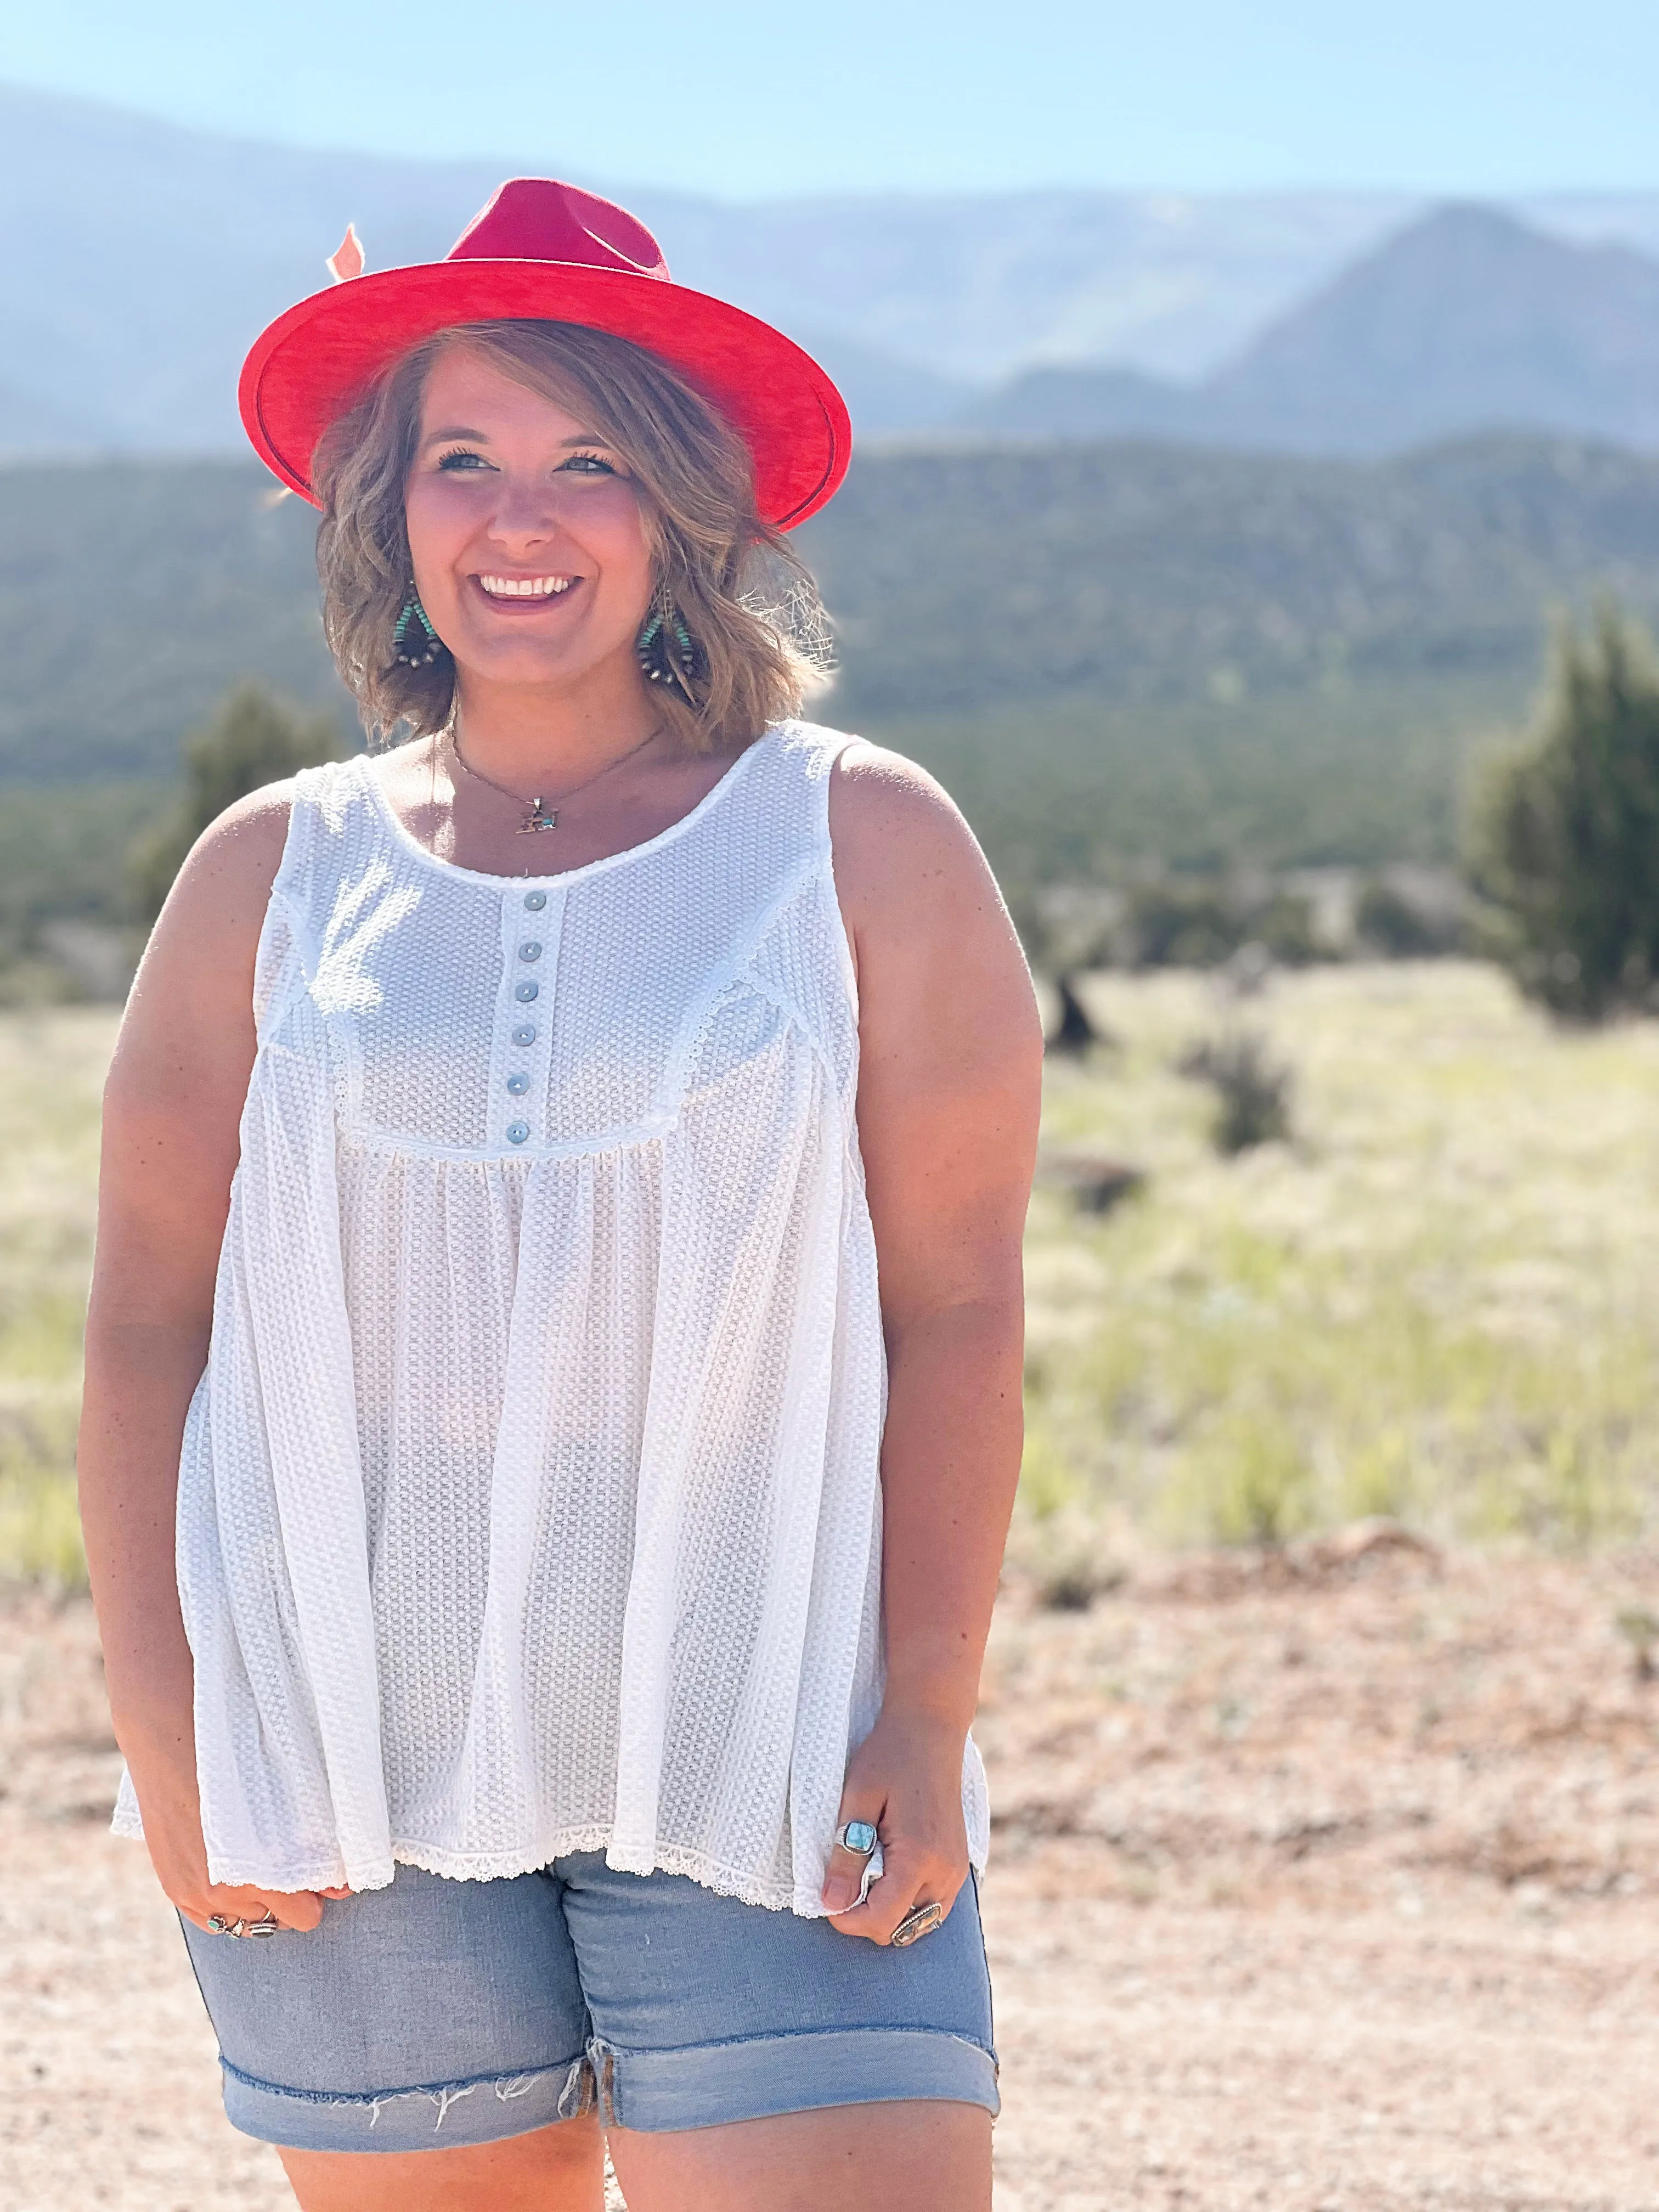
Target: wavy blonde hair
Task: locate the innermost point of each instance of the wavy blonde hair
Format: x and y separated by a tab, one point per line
747	599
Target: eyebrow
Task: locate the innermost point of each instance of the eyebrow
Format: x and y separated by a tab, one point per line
482	437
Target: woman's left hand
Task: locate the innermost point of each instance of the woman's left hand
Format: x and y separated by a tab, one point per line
905	1778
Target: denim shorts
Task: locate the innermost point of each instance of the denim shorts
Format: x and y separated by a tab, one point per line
435	2012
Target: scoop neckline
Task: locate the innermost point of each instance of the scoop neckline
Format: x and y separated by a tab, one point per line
406	836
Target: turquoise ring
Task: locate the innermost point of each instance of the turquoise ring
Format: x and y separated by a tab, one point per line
858	1836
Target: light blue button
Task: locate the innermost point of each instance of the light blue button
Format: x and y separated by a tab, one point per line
535	901
530	950
524	992
518	1084
524	1034
517	1132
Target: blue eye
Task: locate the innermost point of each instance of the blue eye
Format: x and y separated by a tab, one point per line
583	464
461	458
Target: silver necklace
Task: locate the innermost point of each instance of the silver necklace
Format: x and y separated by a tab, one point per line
541	816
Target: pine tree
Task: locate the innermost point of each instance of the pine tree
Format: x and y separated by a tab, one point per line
1565	832
252	739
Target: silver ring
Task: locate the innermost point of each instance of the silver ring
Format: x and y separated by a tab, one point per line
857	1837
920	1920
265	1925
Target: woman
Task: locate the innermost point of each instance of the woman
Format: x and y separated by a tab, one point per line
554	1363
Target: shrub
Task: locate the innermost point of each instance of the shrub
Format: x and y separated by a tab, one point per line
253	738
1388	922
1183	925
1253	1090
1565	832
1201	922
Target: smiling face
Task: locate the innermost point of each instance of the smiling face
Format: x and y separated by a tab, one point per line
531	550
545	478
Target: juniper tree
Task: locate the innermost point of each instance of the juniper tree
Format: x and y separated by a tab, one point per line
1565	831
253	738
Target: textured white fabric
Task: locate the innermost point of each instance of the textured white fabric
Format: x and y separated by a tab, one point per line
530	1501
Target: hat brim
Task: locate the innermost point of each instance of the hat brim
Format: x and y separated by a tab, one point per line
315	361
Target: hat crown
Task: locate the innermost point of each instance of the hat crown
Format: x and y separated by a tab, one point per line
537	219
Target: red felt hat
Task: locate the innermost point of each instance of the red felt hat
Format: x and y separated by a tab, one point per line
554	253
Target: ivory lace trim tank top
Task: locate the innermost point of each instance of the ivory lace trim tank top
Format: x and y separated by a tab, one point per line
530	1501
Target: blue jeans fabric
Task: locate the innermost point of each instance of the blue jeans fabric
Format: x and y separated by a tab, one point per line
435	2012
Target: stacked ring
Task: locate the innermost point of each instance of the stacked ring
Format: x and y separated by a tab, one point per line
265	1925
920	1920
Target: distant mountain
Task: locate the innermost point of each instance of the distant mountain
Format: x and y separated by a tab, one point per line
1467	319
884	394
1105	401
139	260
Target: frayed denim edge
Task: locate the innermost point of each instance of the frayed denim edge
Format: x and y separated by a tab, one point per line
575	2098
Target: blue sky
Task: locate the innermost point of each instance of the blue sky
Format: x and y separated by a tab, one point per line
742	99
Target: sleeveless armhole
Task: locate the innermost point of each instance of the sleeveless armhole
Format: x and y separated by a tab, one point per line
285	960
839	741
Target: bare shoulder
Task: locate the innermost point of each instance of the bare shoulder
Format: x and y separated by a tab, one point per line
199	962
940	965
901	843
229	870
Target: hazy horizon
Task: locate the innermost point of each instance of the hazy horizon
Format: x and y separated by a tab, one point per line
1498	99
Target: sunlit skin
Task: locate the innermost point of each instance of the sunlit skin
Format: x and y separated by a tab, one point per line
508	485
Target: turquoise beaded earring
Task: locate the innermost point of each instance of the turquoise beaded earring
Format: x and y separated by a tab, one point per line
667	651
414	641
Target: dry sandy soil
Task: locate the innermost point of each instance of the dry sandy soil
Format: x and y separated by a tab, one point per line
1327	1878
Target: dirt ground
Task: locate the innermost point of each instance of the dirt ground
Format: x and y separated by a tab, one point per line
1323	1879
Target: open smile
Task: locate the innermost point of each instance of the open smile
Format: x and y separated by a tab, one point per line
523	594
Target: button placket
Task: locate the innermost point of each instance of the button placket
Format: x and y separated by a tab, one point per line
530	919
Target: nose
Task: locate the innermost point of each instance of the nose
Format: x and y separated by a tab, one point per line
526	512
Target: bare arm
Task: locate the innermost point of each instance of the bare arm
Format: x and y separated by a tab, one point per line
949	1092
172	1110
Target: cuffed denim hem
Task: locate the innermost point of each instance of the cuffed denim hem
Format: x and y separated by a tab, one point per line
436	2116
707	2084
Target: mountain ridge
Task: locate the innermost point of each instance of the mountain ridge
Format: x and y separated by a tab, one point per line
1467	320
141	259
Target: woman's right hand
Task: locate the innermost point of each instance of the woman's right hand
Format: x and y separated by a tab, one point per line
172	1812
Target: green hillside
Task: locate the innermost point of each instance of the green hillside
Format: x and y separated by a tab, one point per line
132	593
1107	651
1086	790
1144	573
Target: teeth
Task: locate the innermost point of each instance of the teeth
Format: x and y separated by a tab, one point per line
526	587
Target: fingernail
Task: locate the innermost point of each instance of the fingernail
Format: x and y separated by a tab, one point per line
838	1895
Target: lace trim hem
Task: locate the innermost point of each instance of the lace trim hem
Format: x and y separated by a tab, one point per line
724	1879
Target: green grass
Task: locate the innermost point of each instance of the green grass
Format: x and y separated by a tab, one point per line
51	1068
1440	1300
